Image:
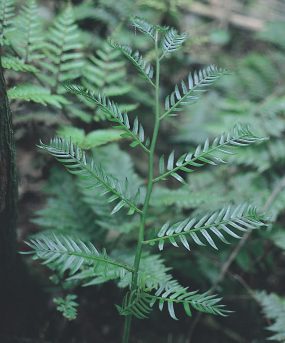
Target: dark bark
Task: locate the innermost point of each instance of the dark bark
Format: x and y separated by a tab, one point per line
21	300
8	189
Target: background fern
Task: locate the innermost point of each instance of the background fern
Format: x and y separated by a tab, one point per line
63	51
28	37
273	308
6	15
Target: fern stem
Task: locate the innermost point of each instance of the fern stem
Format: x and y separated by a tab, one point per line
134	285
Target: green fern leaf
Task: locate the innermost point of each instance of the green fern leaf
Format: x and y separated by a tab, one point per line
207	154
174	294
105	72
172	41
64	253
274	308
67	306
63	51
29	41
137	60
65	211
75	161
135	132
229	220
6	19
37	94
14	63
189	93
139	303
144	27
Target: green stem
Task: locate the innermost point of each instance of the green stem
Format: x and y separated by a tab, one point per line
134	285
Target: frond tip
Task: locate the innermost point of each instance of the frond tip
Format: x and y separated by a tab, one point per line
76	162
229	220
207	154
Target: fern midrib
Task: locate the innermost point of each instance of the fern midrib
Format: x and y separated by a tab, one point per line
89	257
165	114
208	152
184	233
182	301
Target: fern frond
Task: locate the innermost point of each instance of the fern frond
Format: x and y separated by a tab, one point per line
172	41
75	161
29	39
63	50
190	91
207	154
67	254
14	63
229	220
144	27
136	303
29	92
174	294
105	72
6	22
139	303
65	211
135	132
146	69
67	306
274	308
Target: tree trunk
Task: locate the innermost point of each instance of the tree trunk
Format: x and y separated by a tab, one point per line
8	190
21	299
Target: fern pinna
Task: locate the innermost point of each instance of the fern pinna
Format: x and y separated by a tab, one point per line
148	287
